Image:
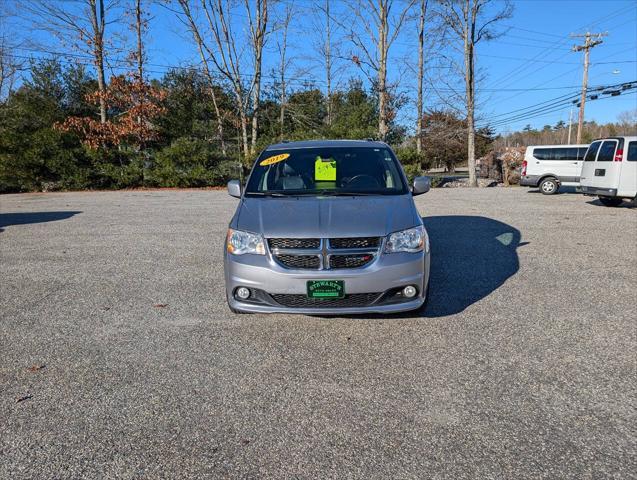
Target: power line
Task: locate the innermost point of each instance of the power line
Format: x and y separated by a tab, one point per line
559	103
531	113
554	78
513	74
560	98
542	114
123	65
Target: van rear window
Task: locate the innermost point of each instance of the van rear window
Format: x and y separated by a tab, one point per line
592	151
607	151
632	152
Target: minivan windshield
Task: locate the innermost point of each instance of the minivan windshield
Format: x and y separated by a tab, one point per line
327	171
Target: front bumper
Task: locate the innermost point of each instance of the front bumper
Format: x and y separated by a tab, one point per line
387	272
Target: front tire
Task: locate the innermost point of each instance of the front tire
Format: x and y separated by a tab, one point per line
610	201
549	186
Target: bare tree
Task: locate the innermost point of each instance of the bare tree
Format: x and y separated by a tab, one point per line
139	25
9	68
282	46
202	48
10	65
227	59
258	27
98	24
628	121
379	27
325	51
421	72
80	25
221	50
465	19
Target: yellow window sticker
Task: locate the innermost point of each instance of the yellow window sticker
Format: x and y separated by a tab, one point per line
325	170
275	159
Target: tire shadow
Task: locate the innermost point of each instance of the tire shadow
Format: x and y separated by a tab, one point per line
624	204
561	191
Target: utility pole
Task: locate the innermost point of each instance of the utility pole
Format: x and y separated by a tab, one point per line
570	124
590	40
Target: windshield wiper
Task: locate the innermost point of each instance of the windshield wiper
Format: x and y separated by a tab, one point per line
268	194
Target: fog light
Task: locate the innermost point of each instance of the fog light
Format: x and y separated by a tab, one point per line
243	293
409	291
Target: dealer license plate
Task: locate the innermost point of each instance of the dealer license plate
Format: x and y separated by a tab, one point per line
325	288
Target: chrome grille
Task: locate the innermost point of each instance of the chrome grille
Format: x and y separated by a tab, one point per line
302	301
350	261
323	253
309	262
300	243
358	242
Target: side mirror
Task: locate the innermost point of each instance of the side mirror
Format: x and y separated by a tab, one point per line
234	188
420	185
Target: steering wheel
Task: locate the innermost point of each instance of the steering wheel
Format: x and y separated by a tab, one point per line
309	182
363	180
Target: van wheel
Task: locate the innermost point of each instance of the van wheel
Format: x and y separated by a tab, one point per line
610	201
549	186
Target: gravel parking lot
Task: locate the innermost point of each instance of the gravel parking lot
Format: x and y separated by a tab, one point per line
120	358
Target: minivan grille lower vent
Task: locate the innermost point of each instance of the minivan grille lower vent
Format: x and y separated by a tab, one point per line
302	301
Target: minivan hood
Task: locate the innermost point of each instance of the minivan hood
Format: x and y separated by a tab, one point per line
323	217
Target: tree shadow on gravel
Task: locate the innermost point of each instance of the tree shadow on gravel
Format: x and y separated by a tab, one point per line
470	258
25	218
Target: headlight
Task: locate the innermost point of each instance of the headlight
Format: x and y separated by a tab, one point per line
238	243
410	240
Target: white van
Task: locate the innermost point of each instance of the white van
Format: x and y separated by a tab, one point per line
550	166
610	170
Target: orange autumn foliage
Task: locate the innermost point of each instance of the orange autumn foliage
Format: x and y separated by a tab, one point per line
136	104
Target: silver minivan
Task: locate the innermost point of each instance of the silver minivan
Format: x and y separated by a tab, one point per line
327	227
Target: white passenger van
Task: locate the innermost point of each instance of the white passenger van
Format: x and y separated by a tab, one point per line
610	170
551	166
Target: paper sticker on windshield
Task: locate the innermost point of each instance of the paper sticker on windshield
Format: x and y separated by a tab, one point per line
325	170
275	159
